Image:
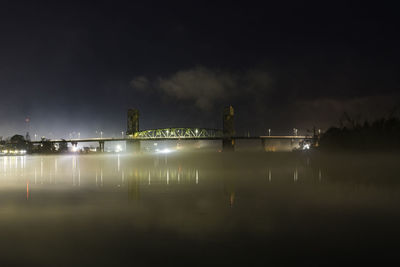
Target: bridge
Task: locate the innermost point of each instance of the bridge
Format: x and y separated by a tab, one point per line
134	135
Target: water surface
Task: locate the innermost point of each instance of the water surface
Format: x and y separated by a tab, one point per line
198	209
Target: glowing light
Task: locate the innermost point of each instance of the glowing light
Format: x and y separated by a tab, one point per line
75	149
118	148
164	151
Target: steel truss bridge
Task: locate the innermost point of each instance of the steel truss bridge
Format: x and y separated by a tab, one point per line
178	133
134	136
171	134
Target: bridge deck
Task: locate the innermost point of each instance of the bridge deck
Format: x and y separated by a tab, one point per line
88	140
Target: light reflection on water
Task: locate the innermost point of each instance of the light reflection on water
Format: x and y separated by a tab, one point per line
92	171
226	205
72	169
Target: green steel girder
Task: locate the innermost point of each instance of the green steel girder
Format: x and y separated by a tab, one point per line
178	133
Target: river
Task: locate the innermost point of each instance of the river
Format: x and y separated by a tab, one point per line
198	209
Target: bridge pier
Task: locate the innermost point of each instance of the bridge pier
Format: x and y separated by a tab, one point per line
133	146
101	146
228	145
228	129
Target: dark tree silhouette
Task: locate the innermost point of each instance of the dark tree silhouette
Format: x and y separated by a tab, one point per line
381	134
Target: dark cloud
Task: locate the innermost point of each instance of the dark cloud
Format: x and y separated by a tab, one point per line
328	111
206	87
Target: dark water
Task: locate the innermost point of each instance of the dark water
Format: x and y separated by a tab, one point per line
202	209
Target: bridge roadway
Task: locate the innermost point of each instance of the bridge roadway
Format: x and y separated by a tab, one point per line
111	139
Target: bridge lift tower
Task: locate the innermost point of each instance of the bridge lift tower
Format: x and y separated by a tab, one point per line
132	128
228	129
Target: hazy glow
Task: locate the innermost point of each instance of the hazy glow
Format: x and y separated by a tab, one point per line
306	146
118	148
164	151
11	151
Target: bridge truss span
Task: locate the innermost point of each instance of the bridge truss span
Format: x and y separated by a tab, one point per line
178	133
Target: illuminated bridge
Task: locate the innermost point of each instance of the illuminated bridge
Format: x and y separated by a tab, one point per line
134	135
178	133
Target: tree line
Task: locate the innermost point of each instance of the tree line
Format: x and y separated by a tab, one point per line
379	134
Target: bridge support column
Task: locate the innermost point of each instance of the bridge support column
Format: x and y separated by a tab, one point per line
263	144
228	145
101	146
228	129
133	146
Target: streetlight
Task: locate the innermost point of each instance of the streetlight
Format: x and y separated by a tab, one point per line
101	134
269	132
79	135
122	134
295	131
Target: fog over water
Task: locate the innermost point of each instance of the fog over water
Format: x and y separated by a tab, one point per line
198	209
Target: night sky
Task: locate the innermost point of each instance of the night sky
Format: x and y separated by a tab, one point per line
78	66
